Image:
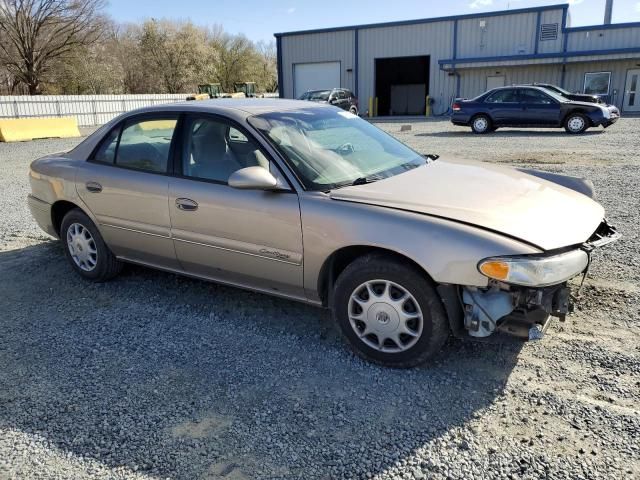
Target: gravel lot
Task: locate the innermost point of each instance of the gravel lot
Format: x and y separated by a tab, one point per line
157	376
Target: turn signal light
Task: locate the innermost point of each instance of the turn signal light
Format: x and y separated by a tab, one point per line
495	269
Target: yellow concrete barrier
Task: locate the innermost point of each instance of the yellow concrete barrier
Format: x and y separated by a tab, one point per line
21	129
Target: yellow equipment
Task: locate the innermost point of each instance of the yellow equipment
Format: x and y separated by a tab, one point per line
21	129
207	91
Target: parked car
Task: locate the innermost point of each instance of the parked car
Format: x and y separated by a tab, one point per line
311	203
519	106
339	97
580	97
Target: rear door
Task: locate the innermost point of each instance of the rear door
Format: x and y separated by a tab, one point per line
125	186
503	107
243	237
538	108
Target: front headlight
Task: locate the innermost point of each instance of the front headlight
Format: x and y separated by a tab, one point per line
535	271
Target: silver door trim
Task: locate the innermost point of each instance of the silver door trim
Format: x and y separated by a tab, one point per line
232	250
135	231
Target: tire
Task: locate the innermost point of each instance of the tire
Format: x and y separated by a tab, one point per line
576	123
481	124
354	110
388	278
85	249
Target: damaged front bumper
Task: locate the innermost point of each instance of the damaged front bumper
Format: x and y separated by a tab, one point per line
524	309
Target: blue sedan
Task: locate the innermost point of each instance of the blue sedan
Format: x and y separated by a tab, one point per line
530	107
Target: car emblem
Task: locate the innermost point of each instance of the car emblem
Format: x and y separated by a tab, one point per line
382	317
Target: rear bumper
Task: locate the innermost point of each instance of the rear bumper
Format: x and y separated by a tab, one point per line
41	213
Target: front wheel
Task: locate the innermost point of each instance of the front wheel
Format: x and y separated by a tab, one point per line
576	123
388	312
354	110
481	124
85	249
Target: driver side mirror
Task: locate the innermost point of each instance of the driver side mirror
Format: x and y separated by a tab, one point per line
253	178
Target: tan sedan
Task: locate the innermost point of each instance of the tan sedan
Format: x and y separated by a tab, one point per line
315	204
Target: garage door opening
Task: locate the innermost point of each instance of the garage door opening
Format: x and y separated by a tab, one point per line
402	85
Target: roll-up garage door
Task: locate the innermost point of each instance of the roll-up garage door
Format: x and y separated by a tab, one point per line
315	76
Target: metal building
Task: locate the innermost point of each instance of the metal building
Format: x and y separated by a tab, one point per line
392	67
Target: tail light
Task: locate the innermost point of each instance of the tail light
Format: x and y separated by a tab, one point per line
456	107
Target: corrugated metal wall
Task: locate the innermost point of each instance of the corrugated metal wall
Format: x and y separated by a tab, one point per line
501	35
319	47
88	109
549	46
598	39
574	80
434	39
473	82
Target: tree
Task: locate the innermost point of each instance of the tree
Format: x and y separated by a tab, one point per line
35	33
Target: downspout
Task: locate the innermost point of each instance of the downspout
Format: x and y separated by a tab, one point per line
279	64
565	43
356	32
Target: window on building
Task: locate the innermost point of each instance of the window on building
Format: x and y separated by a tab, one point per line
597	83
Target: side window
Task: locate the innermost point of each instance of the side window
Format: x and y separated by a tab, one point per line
502	96
213	150
534	96
342	94
106	152
145	145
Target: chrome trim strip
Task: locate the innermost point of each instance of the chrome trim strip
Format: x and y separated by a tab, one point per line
135	231
237	251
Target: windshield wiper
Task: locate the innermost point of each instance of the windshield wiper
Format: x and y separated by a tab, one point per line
363	180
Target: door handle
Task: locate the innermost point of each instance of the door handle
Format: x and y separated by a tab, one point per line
186	204
93	187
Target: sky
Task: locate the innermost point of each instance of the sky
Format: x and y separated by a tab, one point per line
259	20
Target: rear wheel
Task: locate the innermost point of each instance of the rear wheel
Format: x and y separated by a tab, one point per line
388	312
85	249
576	123
481	124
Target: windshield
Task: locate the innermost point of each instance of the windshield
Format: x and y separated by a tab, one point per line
328	148
555	88
316	95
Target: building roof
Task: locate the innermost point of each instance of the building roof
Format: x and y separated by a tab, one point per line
564	6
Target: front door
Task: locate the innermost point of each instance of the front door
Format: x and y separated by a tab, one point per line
632	91
538	108
125	186
244	237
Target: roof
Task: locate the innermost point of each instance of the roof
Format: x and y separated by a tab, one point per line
247	106
563	6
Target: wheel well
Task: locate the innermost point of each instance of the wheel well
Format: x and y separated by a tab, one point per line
58	210
577	110
340	259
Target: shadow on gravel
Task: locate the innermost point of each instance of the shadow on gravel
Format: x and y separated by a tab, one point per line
175	377
509	133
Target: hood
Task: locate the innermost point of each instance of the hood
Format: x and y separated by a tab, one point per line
497	198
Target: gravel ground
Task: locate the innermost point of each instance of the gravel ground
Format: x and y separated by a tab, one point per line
157	376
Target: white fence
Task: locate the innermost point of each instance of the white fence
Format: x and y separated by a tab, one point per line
88	109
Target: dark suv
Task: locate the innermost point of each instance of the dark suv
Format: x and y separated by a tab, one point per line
340	97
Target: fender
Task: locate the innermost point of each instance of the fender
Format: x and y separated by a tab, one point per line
577	184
